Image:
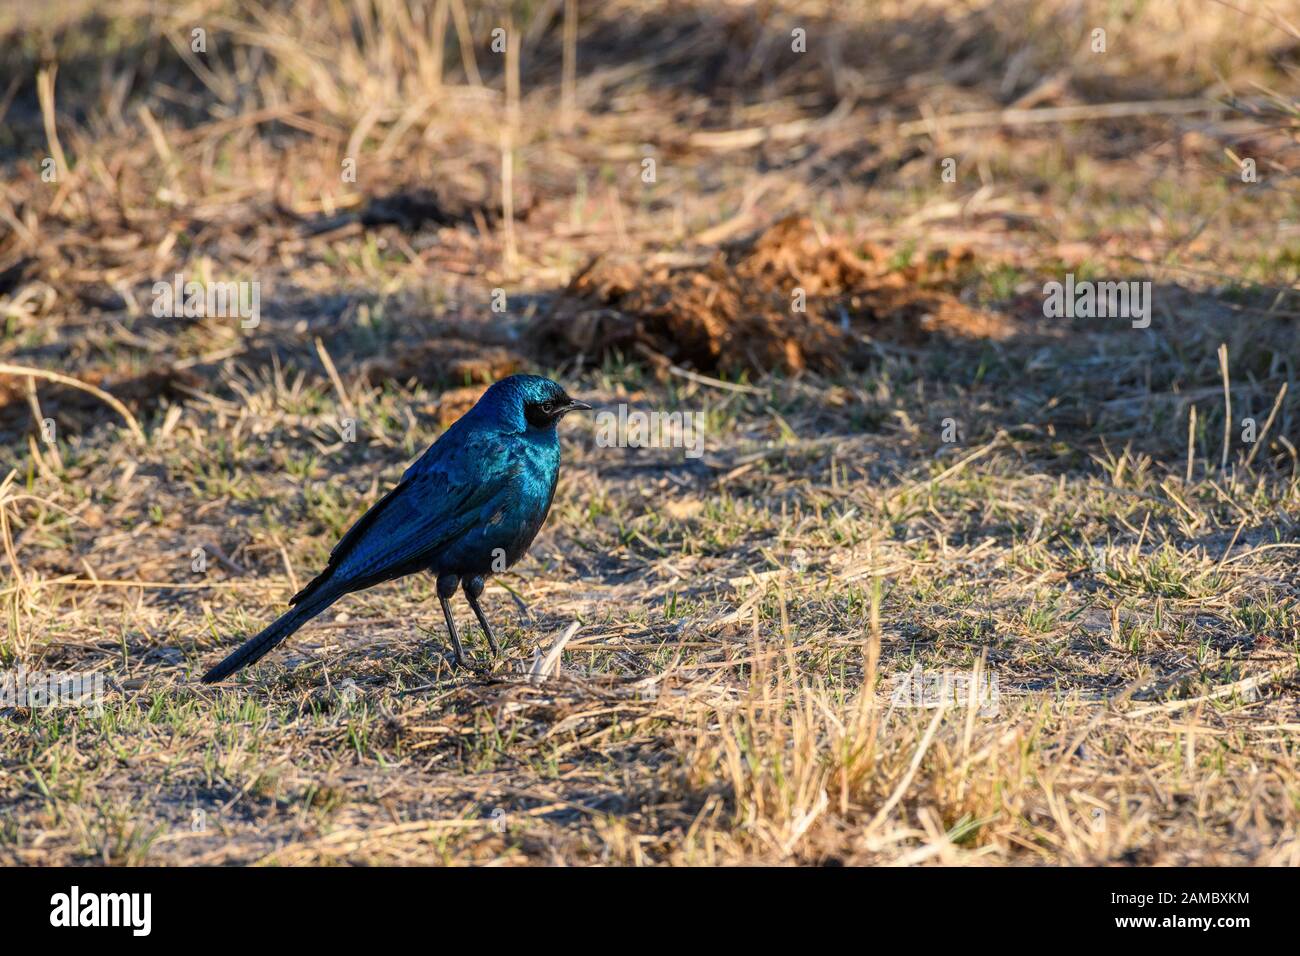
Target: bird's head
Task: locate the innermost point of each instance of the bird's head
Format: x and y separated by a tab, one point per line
530	401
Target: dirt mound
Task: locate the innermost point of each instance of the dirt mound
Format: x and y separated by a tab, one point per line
444	361
787	299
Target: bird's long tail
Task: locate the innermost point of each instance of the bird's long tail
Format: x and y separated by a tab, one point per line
255	648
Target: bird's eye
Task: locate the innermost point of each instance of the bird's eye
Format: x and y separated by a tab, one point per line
548	407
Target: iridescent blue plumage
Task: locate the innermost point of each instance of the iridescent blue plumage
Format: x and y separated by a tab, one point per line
469	506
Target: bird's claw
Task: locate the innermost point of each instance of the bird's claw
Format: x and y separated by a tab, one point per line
464	663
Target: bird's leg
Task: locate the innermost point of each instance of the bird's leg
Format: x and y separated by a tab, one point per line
473	588
447	584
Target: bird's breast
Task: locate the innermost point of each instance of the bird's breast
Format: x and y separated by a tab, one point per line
512	520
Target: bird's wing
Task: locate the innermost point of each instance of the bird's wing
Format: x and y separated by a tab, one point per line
451	488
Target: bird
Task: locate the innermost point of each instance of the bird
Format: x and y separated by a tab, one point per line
467	508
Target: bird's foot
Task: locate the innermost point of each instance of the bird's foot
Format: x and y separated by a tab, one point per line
464	662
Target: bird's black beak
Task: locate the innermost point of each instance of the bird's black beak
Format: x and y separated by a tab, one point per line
577	406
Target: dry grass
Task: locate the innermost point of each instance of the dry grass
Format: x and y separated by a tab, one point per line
1097	538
